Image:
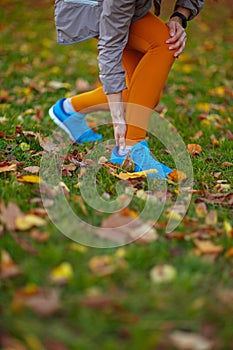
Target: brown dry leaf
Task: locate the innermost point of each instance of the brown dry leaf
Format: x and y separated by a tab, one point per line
39	236
189	341
212	218
223	199
47	144
229	252
197	135
7	166
229	135
9	214
208	247
26	222
162	274
105	265
177	176
33	179
214	141
123	228
32	169
82	85
43	301
127	176
201	209
9	268
194	149
226	164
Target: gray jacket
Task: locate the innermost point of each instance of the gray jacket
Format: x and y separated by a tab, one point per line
109	20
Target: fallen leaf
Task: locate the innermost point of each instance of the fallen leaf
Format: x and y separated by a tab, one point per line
32	169
211	218
189	341
214	141
162	274
228	228
9	214
105	265
39	236
223	199
208	247
197	135
61	274
194	149
47	144
229	252
33	179
127	176
24	146
82	85
226	164
7	166
229	135
58	85
26	222
43	301
177	176
9	268
201	210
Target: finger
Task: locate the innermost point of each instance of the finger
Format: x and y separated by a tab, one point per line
172	30
179	33
122	142
181	49
178	43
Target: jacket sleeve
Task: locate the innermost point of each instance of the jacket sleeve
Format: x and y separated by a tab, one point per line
193	5
115	20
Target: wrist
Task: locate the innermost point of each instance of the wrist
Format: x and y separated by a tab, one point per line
179	17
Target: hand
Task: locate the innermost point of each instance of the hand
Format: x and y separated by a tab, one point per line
116	106
178	36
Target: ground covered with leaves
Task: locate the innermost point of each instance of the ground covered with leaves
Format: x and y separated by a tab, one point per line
166	290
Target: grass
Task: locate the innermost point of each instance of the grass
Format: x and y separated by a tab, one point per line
133	312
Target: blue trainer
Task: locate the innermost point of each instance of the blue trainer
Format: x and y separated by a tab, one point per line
143	160
74	124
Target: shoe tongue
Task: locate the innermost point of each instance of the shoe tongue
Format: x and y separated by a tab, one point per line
144	143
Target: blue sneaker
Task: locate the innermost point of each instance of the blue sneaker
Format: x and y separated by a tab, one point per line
143	160
74	124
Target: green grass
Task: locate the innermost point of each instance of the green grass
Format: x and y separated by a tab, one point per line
135	313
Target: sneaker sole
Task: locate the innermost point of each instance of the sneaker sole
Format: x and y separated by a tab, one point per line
59	123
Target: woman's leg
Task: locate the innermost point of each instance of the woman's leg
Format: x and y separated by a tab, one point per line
91	100
148	36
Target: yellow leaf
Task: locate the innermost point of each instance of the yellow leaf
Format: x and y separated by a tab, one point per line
204	106
187	68
162	273
78	247
228	228
33	179
62	273
127	176
26	222
24	146
173	215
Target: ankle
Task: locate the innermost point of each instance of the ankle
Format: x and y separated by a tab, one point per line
67	106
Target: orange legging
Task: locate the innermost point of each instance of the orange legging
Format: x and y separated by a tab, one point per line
147	62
